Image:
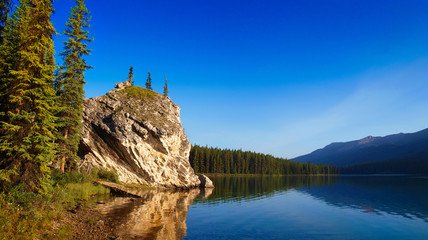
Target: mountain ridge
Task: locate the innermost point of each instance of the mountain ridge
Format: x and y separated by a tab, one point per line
394	147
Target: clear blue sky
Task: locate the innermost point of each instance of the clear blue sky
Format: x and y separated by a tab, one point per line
279	77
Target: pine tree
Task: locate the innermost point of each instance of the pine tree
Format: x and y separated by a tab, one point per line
165	88
5	6
149	82
70	82
131	76
4	13
27	122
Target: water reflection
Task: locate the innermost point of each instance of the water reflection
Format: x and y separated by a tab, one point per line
273	207
237	189
404	195
160	214
395	195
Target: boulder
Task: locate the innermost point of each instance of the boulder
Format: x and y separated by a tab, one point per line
205	181
123	85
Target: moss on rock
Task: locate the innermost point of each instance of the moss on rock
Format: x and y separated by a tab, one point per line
138	92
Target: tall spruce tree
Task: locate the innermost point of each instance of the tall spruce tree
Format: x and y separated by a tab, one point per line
131	76
4	13
27	123
69	83
149	82
165	88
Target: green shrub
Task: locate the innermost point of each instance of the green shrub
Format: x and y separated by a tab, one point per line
25	215
106	174
28	215
60	179
76	193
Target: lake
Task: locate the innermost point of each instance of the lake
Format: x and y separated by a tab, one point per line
272	207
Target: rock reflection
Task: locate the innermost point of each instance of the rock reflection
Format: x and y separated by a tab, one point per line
206	192
160	214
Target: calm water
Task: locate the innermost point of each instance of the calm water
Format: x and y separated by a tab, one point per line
280	208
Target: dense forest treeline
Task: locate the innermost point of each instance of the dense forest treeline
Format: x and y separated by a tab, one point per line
226	161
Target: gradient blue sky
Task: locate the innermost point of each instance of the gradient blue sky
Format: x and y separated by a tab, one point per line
279	77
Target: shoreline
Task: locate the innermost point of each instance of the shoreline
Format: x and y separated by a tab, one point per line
86	223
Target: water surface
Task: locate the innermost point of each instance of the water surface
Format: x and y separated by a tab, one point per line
357	207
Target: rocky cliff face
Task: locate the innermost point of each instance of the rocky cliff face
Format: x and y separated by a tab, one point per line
137	133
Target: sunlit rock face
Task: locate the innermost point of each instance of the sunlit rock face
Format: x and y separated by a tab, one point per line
160	214
137	133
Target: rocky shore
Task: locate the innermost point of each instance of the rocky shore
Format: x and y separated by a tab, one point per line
82	222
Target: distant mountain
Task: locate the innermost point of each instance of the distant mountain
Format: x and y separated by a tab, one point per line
386	154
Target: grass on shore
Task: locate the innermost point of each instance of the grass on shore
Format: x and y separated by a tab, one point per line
27	215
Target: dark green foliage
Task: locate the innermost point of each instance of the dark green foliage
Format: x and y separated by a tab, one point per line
131	76
62	179
70	82
225	161
27	96
106	175
27	215
5	6
20	214
165	88
149	82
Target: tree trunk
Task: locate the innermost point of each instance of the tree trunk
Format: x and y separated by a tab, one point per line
63	164
63	156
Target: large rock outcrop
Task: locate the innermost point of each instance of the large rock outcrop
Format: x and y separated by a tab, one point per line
137	133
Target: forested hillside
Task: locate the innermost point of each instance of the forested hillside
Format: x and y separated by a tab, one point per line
226	161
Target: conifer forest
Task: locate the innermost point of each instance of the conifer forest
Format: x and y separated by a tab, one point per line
225	161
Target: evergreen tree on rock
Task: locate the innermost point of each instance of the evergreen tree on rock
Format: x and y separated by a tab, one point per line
165	88
27	121
70	82
131	76
149	82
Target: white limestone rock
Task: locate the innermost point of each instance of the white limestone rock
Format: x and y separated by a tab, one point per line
137	133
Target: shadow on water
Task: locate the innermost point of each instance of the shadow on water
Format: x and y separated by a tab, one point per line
160	214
